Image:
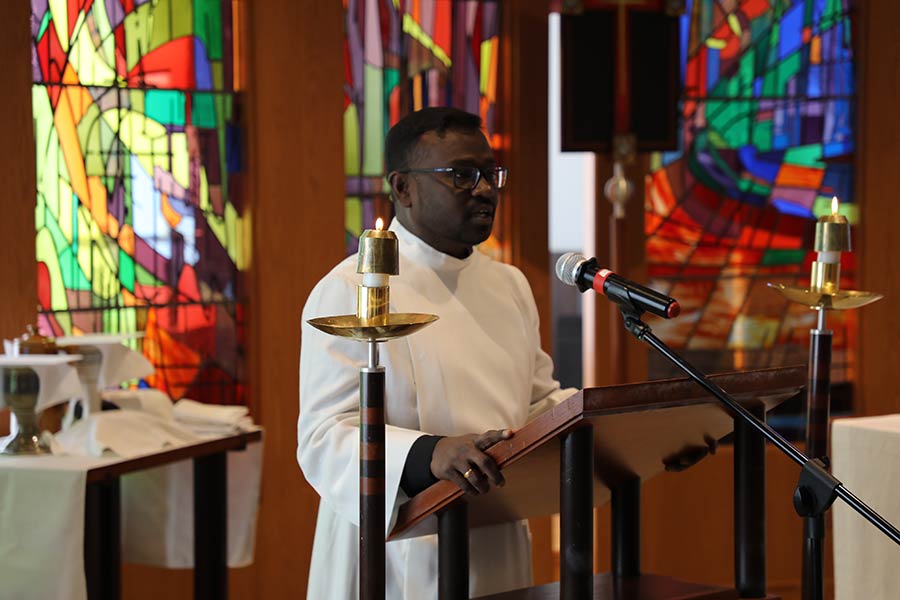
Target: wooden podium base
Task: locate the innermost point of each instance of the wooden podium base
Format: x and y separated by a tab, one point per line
643	587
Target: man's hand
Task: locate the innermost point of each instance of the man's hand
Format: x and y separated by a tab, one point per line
462	460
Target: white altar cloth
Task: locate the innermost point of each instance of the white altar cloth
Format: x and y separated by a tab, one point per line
865	453
42	502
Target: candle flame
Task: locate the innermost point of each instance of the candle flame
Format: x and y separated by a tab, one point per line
379	223
835	205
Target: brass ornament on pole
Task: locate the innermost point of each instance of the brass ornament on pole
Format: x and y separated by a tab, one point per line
618	189
379	258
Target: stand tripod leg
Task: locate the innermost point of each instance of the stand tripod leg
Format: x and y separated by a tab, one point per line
813	555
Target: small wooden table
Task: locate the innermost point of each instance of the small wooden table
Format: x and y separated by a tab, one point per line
99	477
102	513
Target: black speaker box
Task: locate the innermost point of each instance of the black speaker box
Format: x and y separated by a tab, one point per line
588	80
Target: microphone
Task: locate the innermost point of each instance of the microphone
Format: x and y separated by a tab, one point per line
583	273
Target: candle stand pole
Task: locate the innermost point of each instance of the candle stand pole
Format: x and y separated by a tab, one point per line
373	323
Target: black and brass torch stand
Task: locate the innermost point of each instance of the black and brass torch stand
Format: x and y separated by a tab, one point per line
824	293
373	323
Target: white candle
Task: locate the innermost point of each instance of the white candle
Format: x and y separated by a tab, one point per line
375	279
377	243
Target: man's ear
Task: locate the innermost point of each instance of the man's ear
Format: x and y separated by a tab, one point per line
399	183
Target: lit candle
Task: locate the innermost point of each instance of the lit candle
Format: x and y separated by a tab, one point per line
832	235
377	255
832	238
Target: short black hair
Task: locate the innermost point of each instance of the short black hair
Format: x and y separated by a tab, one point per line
403	137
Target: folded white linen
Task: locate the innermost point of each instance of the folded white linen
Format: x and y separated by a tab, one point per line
127	433
213	430
149	400
197	413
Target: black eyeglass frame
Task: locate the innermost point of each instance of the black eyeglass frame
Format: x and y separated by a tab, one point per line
495	173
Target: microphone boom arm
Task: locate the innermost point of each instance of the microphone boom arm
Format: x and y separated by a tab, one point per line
817	488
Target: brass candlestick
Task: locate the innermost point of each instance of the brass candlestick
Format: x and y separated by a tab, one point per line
824	293
373	323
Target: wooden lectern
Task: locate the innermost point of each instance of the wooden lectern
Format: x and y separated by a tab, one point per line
600	444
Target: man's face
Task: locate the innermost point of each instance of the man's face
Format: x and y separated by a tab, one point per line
447	218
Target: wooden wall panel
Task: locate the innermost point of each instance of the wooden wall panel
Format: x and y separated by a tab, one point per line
522	125
17	172
296	68
18	272
605	315
878	184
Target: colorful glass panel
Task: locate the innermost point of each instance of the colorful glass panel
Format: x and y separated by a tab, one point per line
767	140
139	211
402	56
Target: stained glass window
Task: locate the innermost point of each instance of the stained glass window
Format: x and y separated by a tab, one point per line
767	139
139	211
401	56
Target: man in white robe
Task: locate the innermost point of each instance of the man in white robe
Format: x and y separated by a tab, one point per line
452	389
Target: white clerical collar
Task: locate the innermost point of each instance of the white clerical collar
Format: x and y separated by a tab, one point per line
418	249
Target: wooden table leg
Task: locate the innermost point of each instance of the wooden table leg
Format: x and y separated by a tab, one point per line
211	527
102	540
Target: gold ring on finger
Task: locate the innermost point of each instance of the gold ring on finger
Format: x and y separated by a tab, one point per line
467	473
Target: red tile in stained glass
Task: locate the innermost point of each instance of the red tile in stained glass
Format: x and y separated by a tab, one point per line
168	66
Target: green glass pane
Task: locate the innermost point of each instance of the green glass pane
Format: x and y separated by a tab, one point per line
807	156
145	277
218	75
353	216
165	106
126	271
762	135
351	141
44	23
783	257
59	239
373	123
208	26
72	275
788	69
203	110
138	27
746	73
171	22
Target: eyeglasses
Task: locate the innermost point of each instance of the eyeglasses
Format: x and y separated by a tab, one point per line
467	178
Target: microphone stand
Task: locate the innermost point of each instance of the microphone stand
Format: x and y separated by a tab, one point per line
817	488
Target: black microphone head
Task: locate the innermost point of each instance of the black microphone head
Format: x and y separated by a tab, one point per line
567	267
